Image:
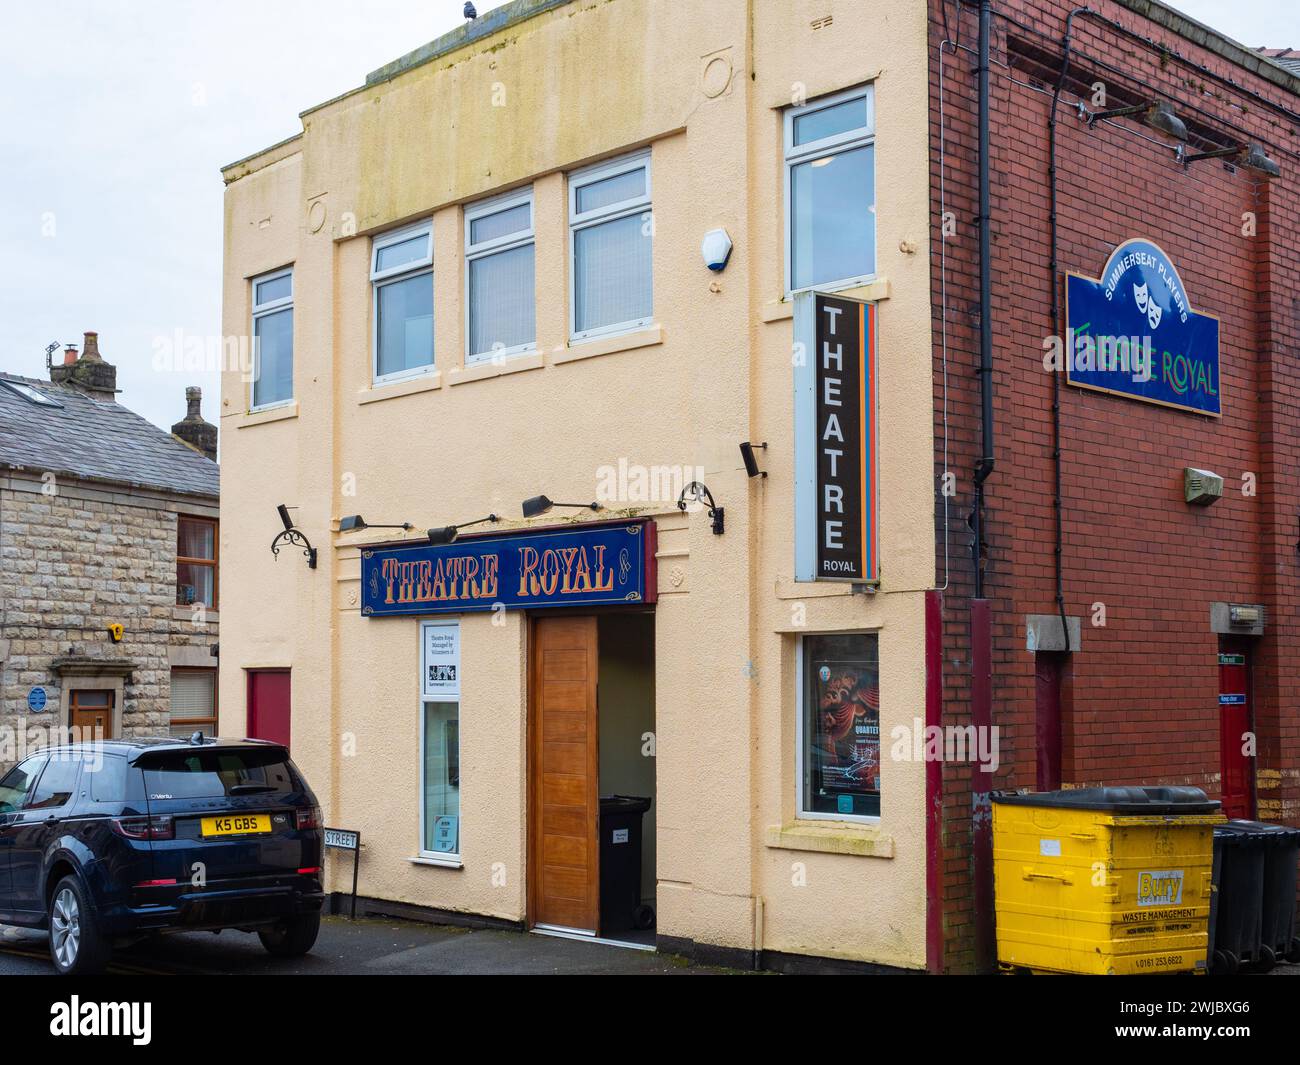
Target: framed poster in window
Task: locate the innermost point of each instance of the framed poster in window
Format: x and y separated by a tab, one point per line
840	726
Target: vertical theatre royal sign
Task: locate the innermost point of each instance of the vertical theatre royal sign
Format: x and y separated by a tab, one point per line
608	563
1132	332
835	392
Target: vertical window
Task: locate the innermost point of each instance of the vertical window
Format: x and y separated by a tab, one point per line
193	702
401	271
272	339
500	293
839	726
611	234
830	191
196	561
440	740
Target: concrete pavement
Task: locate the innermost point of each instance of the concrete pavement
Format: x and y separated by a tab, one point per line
365	946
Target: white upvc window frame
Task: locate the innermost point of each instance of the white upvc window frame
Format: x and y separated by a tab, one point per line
640	205
380	278
484	249
262	310
859	137
801	734
439	857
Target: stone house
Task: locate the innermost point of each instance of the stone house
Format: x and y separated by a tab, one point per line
108	586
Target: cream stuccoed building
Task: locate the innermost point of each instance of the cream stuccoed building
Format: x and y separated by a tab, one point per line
558	253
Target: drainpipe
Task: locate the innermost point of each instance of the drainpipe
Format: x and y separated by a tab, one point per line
981	628
984	467
1054	270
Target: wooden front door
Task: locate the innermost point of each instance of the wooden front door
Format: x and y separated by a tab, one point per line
90	712
564	881
268	705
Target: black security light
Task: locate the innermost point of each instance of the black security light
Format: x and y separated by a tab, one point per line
751	463
1251	157
293	536
541	504
698	491
355	522
447	534
1157	114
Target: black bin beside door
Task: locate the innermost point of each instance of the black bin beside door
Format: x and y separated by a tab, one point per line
620	865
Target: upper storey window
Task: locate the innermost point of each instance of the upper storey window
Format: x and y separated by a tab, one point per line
401	273
830	191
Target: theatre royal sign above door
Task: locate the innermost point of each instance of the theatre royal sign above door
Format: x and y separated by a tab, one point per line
589	565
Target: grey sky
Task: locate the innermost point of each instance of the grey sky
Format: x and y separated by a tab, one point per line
117	115
116	118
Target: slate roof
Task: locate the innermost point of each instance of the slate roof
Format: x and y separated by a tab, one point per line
1287	57
96	440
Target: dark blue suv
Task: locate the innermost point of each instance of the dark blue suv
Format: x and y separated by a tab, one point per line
108	843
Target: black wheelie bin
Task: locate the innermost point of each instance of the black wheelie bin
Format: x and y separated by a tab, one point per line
620	865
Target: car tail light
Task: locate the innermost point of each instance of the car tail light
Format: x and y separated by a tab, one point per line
308	817
159	826
307	870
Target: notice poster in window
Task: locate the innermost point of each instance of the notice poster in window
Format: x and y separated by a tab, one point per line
440	665
842	767
446	834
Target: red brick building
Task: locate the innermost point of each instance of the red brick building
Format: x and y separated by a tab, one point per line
1146	581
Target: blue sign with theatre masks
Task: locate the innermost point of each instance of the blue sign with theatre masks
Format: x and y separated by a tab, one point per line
589	565
1133	332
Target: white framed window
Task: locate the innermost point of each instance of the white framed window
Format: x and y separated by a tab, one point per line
440	740
838	742
611	234
401	274
830	191
500	303
272	384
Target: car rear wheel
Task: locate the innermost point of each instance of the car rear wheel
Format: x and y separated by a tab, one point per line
291	937
76	946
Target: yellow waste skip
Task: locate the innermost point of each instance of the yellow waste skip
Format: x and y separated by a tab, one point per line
1111	881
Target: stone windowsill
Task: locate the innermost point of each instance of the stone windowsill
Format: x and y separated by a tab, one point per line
184	613
395	389
271	414
830	837
494	367
450	862
590	349
873	291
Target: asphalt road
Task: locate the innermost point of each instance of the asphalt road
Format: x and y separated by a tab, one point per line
370	946
365	946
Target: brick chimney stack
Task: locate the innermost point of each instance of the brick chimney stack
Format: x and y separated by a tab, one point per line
90	372
192	429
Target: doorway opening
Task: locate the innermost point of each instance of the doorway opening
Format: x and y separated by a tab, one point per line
592	792
90	713
268	705
1236	736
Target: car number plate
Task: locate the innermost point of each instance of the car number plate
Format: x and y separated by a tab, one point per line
237	825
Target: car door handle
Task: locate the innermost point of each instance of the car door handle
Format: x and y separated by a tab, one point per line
53	819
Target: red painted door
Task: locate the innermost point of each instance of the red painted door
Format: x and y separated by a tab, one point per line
1049	667
1236	738
268	705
